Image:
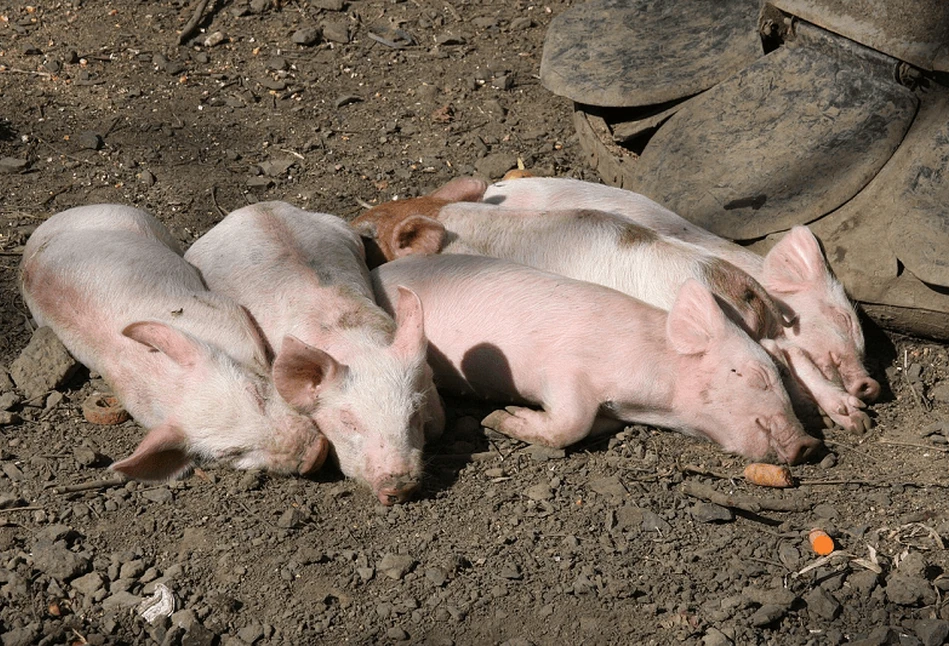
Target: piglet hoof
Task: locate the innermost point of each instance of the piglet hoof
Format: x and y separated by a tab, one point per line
497	420
315	456
104	409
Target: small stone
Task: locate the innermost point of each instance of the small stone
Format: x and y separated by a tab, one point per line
540	491
277	167
8	417
57	561
306	36
767	615
437	576
829	461
158	495
259	182
147	178
328	5
120	601
13	165
494	165
863	582
292	518
10	500
706	512
909	590
276	63
610	486
652	522
8	400
397	634
822	603
396	566
251	633
90	140
43	365
511	571
22	636
714	637
336	31
88	584
932	632
940	392
780	597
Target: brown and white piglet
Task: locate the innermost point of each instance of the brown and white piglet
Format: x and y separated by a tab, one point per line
821	321
187	364
340	359
586	354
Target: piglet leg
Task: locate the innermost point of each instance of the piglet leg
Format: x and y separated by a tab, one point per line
564	421
837	403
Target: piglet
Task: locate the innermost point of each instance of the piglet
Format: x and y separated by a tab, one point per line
586	354
362	377
187	364
821	321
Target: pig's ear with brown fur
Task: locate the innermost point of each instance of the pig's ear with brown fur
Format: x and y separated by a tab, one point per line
417	235
462	189
160	456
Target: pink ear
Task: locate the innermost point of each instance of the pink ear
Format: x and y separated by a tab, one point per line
178	346
410	331
300	372
160	456
417	234
795	263
695	319
462	189
263	351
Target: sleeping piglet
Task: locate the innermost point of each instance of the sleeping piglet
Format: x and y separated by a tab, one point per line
362	377
588	356
187	364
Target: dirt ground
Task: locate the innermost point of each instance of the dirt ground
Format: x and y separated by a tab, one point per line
331	105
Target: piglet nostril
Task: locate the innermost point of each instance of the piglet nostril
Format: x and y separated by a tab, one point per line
397	490
867	389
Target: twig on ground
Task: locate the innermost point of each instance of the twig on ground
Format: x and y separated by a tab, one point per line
745	503
9	509
914	445
691	468
13	70
192	25
88	486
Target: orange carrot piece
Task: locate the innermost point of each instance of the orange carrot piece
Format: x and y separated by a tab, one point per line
769	475
821	542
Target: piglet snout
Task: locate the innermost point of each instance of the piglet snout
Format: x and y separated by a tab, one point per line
315	456
866	388
789	440
397	489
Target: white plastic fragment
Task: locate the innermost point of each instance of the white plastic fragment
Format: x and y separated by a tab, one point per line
158	606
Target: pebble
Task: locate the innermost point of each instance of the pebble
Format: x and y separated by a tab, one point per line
214	38
13	165
44	364
822	603
706	512
766	615
292	518
714	637
88	584
932	632
909	590
336	31
397	634
56	560
610	486
395	566
540	491
544	453
940	392
494	165
306	36
158	495
328	5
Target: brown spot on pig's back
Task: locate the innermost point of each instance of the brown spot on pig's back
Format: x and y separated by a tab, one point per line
628	234
753	305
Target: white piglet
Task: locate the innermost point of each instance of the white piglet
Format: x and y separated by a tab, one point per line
361	376
187	364
586	354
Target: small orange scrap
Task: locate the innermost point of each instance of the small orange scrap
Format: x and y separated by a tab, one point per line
104	409
769	475
821	542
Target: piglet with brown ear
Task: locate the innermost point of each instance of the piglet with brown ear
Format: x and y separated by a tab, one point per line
187	364
340	359
573	356
821	322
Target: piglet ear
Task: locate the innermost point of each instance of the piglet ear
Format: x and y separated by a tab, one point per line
410	325
695	320
417	235
161	456
176	345
300	372
462	189
795	264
